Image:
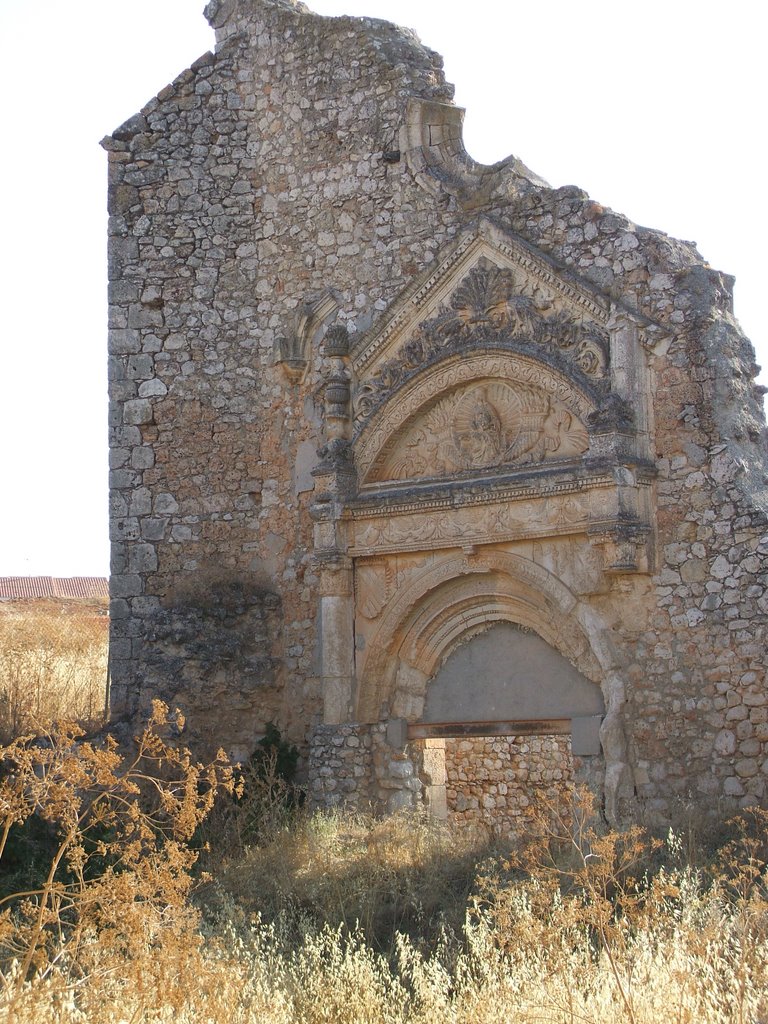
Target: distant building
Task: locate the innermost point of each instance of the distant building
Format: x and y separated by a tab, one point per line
72	588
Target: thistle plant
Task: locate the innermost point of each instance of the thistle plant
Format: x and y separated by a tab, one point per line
116	832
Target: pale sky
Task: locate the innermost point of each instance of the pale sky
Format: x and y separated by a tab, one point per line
657	109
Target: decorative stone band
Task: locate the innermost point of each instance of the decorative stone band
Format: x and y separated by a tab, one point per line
552	504
554	515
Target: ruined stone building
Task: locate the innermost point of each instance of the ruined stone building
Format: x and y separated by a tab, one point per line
456	477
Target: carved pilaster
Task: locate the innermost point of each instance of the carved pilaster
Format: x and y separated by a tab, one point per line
621	517
335	473
336	393
612	430
334	482
629	374
336	635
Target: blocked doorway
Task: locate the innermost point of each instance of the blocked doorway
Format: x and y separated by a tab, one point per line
509	725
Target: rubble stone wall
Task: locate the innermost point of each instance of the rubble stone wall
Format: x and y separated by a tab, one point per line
356	766
496	780
252	186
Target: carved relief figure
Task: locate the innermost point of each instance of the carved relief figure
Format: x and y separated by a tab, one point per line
478	432
485	425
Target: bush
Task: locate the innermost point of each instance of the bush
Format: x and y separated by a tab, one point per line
341	919
113	833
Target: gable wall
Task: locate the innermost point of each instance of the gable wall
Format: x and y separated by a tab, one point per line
259	182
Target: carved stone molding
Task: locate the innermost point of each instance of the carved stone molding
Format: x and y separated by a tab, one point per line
455	597
374	584
493	307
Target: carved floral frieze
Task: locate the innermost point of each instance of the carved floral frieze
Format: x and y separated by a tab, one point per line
471	525
493	306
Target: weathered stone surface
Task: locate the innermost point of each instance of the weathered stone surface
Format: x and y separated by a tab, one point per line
525	408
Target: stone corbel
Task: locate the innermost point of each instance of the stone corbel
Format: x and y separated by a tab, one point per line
294	352
624	549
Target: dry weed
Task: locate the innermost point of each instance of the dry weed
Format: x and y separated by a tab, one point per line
53	666
405	874
585	926
117	882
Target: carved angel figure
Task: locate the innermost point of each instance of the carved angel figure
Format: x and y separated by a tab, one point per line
481	442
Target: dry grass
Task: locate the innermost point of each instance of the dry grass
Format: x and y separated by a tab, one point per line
53	666
406	875
348	920
107	918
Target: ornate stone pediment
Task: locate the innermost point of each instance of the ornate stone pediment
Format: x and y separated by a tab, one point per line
489	290
493	307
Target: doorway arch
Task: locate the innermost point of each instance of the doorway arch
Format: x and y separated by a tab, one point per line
455	598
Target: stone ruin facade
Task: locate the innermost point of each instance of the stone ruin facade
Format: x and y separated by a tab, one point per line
457	478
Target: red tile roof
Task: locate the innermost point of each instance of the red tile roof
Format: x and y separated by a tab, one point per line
22	588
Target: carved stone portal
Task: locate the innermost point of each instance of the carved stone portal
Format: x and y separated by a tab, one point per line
475	411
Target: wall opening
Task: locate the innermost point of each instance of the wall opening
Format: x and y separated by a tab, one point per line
497	781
